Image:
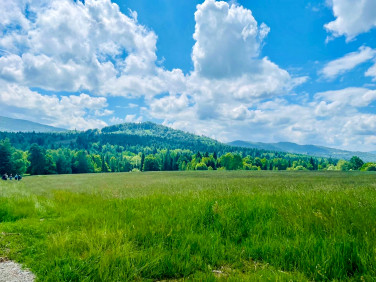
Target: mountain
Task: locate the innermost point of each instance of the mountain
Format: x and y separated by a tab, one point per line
144	137
133	137
311	150
150	129
20	125
149	134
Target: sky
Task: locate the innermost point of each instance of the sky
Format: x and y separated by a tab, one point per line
255	70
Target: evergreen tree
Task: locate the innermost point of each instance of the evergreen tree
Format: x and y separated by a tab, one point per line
5	157
63	165
37	160
356	163
198	157
312	162
142	161
104	165
215	155
83	163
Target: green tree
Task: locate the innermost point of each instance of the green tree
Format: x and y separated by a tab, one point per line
226	161
5	157
64	162
19	162
356	163
257	162
151	163
97	162
312	164
198	157
83	163
201	166
142	161
125	165
368	167
231	162
113	164
343	165
50	167
37	160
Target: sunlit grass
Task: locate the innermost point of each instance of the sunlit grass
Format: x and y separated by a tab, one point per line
204	225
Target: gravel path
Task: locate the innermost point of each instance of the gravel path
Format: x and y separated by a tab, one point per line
13	272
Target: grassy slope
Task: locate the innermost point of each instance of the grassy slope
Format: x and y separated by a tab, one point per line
249	225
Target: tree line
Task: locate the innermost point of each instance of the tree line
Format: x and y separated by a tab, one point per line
98	157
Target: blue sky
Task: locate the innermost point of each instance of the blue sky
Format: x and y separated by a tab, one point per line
268	71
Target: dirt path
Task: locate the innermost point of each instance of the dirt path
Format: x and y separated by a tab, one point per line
13	272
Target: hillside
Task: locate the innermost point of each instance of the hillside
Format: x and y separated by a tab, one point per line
119	148
150	129
134	137
311	150
151	136
20	125
131	136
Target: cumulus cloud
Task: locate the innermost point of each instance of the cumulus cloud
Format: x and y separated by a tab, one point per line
371	72
226	55
230	77
128	118
354	96
73	111
332	118
352	18
72	46
348	62
228	40
105	52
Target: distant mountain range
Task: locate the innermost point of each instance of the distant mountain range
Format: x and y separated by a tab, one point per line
311	150
20	125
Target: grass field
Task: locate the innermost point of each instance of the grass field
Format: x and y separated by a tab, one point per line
198	225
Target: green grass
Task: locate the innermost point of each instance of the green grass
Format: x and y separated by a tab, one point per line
214	225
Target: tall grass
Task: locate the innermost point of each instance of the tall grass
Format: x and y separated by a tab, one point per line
204	225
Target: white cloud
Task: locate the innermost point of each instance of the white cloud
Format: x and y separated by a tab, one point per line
228	40
169	106
332	118
73	111
372	72
352	18
347	62
354	97
71	46
59	54
128	118
229	77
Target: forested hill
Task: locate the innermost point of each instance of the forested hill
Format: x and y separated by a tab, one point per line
144	146
175	137
145	137
156	130
311	150
20	125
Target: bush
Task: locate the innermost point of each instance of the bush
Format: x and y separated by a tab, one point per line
368	167
201	166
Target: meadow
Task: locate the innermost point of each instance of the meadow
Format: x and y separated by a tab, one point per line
204	225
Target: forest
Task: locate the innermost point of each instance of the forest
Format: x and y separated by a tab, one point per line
145	147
